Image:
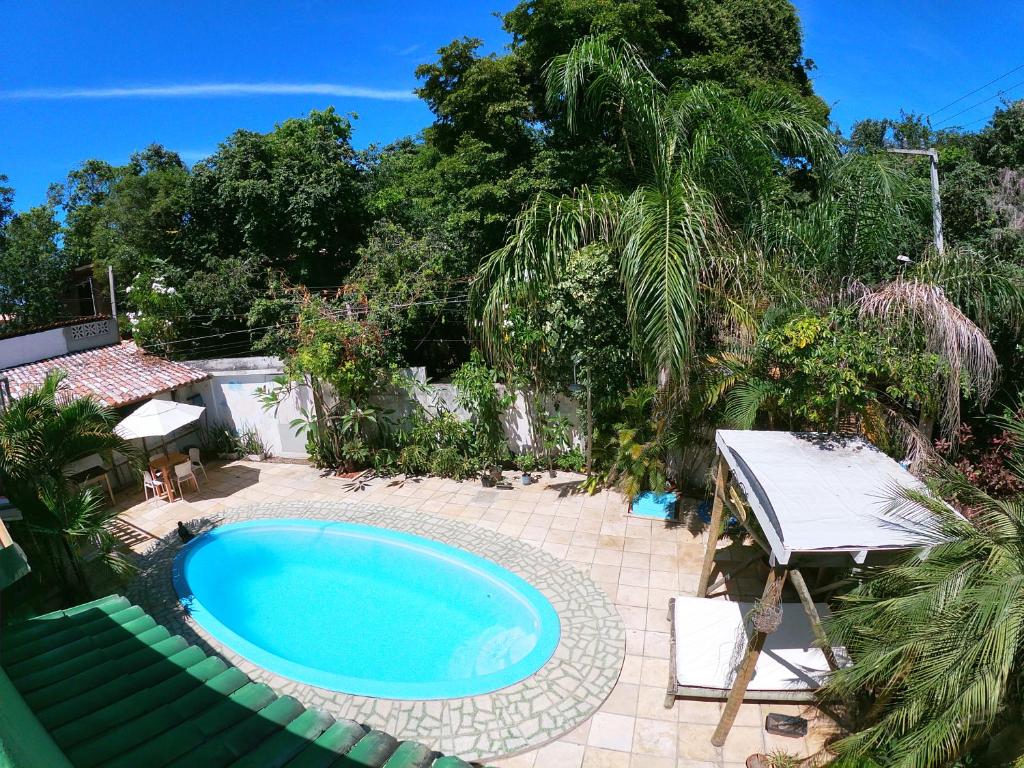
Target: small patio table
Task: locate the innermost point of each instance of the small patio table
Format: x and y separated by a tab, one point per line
165	465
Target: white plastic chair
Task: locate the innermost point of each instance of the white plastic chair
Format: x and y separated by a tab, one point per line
184	472
151	482
193	456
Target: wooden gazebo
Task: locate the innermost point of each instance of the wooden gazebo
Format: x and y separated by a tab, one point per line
807	500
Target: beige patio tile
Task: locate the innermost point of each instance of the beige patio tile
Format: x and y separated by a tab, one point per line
533	534
631	667
622	700
608	557
613	529
656	644
633	577
742	742
557	550
635	641
651	761
632	559
669	581
657	617
632	616
654	737
629	595
560	537
693	742
654	672
601	572
564	523
559	754
511	529
579	734
658	598
581	554
525	760
610	731
595	757
651	704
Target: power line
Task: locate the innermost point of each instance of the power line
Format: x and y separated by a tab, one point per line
337	313
997	95
971	93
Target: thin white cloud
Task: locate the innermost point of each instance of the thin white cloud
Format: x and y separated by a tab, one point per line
210	90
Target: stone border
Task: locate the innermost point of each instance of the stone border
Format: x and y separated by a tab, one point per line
556	699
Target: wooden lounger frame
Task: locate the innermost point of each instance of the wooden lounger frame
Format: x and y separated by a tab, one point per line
676	690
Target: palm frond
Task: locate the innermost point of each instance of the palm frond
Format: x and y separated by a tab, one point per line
948	332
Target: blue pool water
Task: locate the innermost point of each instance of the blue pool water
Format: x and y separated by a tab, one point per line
365	610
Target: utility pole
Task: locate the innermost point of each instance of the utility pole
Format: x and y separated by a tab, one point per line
113	298
933	157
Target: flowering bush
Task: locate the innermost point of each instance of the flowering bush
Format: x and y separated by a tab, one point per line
155	306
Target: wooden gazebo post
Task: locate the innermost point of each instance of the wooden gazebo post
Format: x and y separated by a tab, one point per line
714	527
770	598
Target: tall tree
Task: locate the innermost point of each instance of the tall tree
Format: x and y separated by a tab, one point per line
700	156
288	199
34	271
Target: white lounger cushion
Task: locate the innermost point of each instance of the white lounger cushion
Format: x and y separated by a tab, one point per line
711	640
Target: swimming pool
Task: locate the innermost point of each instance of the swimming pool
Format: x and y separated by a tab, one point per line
365	610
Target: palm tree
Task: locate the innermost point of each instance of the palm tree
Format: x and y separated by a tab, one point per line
40	433
705	163
938	640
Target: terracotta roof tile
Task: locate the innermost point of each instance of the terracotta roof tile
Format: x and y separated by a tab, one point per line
116	375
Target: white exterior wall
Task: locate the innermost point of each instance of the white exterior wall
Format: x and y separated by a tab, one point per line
31	347
230	398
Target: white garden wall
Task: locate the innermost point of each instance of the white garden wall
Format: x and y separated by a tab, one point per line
230	397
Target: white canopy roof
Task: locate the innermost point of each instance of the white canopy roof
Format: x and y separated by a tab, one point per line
157	418
815	493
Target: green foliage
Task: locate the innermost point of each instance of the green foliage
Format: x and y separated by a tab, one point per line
40	433
289	198
477	391
700	152
441	445
815	372
415	291
153	322
34	270
638	447
221	440
937	639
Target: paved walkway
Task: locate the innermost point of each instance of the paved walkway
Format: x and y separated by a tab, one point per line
639	564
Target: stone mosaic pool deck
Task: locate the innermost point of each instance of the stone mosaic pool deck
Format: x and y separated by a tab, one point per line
550	703
638	564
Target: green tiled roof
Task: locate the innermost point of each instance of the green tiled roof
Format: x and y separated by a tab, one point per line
102	684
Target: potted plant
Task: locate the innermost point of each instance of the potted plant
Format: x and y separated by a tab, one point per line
251	445
639	470
527	464
222	441
778	759
557	439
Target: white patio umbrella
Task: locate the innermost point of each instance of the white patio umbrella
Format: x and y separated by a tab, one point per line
157	418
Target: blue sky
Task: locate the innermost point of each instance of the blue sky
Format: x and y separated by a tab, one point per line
91	79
